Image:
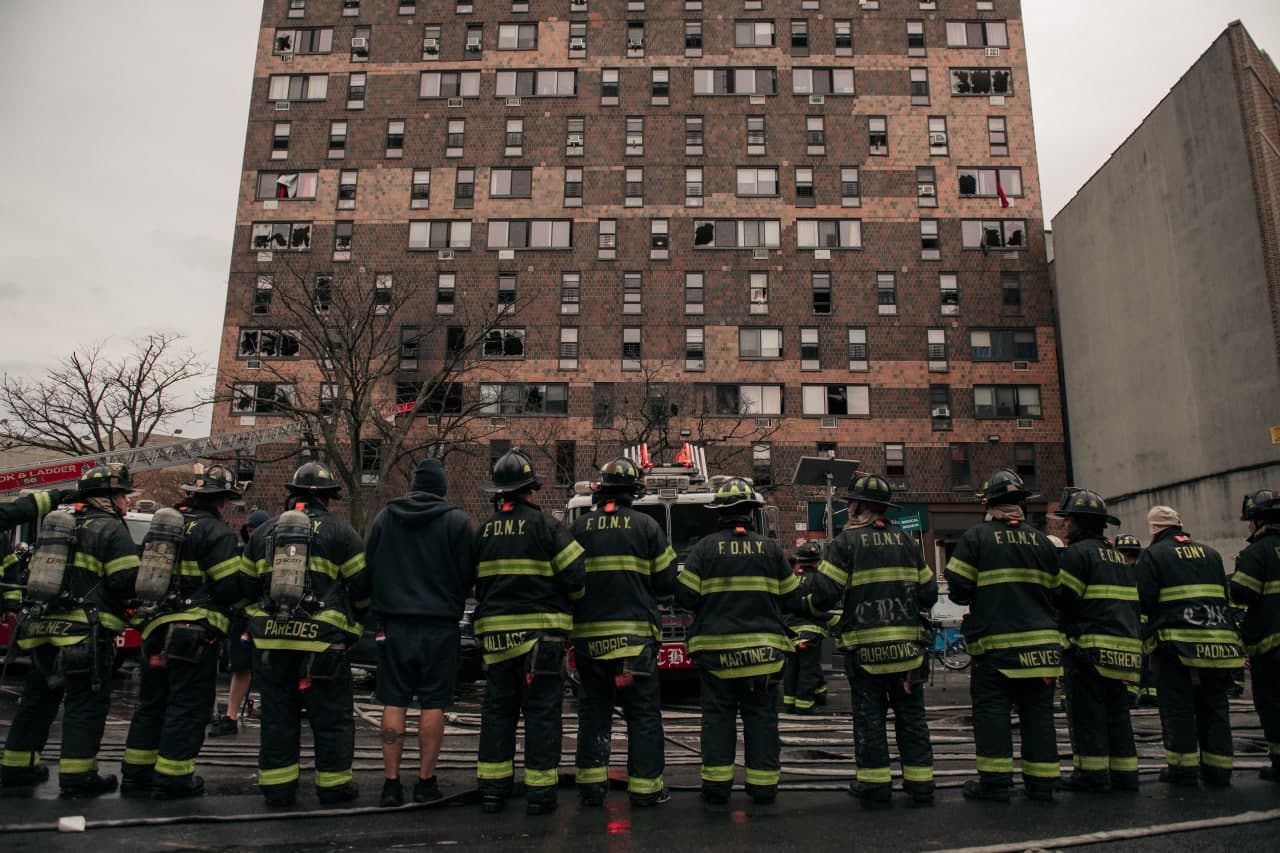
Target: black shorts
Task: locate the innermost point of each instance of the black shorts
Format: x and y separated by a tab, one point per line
418	658
237	654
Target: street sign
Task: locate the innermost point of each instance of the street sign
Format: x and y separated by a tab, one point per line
911	523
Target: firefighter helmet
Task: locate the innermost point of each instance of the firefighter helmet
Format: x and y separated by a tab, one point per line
110	479
622	475
512	472
869	488
1083	502
735	493
809	552
218	480
1004	486
1127	543
314	478
1261	503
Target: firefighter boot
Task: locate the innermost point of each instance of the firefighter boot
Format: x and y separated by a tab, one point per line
23	777
976	790
187	786
87	785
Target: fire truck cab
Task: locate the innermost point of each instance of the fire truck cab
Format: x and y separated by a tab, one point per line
676	496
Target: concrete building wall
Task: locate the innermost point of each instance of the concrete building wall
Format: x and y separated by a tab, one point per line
1164	307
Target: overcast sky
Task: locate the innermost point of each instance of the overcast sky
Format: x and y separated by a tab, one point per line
124	127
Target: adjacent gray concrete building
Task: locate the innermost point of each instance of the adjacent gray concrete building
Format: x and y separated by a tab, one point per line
1168	290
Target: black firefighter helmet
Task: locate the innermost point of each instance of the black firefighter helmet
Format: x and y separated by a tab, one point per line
735	494
109	479
621	475
1086	503
217	480
512	472
314	478
869	488
1003	487
1263	502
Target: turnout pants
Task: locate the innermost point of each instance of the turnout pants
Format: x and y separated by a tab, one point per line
84	715
1266	699
995	695
1195	719
1101	731
175	703
507	692
756	698
641	707
289	681
803	684
873	696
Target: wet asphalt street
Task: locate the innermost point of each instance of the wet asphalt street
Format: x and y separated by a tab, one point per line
813	811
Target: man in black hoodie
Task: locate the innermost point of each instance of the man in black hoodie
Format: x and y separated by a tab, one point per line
419	556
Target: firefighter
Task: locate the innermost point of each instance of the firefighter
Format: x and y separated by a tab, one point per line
1144	692
24	510
237	650
313	591
1098	602
803	684
878	574
737	584
1006	571
1256	585
528	574
616	632
1182	588
192	574
76	597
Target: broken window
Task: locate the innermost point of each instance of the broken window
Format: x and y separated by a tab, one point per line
981	81
281	236
504	343
268	343
284	185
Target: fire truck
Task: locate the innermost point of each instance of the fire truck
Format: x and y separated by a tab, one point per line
676	496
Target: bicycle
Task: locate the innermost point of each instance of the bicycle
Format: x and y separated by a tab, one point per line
946	646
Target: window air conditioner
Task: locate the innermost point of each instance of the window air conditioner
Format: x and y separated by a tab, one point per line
635	44
1025	423
282	106
513	102
431	45
574	140
286	57
252	364
828	423
992	51
360	46
817	99
759	254
937	139
928	190
446	254
455	102
764	423
940	412
578	4
577	44
433	420
473	45
1021	365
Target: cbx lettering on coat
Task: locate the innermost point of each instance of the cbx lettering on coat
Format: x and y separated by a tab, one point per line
734	548
504	527
882	611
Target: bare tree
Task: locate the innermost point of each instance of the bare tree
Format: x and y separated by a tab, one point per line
374	385
92	403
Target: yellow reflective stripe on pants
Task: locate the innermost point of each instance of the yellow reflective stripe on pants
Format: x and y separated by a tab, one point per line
77	765
541	778
1182	759
875	775
762	777
1128	764
639	785
1273	748
14	758
170	767
1041	769
278	775
142	757
591	775
1211	759
995	765
719	773
911	773
1090	762
495	770
333	778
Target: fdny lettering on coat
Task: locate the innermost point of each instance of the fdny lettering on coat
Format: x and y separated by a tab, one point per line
885	537
1016	537
608	522
747	657
292	630
1190	552
1111	555
504	527
734	548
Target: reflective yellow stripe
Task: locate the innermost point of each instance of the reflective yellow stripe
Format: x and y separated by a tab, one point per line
1264	645
803	704
339	620
43	503
690	579
641	785
1182	759
762	777
1197	635
1127	764
749	671
1247	581
1271	588
875	775
991	577
353	566
524	622
541	778
278	775
583	630
956	566
567	555
730	642
925	575
885	574
121	564
1113	592
322	566
172	767
1071	582
1091	762
1041	769
833	572
711	586
1273	748
664	559
513	652
14	595
1212	759
190	569
1015	640
591	775
226	568
495	770
864	636
142	757
77	765
988	764
88	562
911	773
1108	641
719	773
16	758
1191	590
218	620
617	563
495	568
332	778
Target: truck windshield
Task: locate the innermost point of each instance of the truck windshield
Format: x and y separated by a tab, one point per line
689	523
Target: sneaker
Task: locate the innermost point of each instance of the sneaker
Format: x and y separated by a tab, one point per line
426	790
644	801
224	726
192	788
392	794
492	803
540	807
90	785
340	794
24	777
1171	776
975	790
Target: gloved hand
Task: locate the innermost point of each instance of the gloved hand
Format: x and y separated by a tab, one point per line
58	497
